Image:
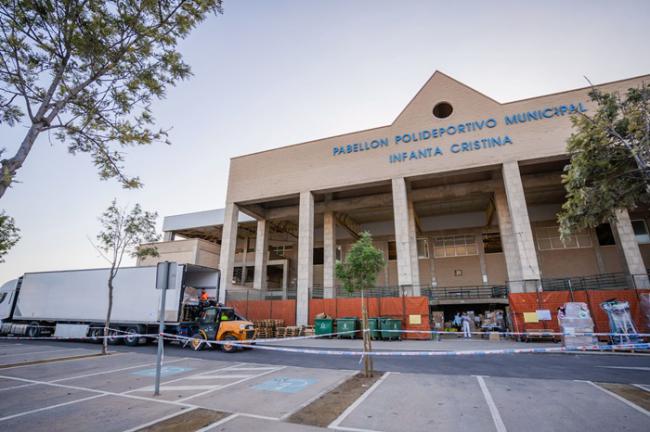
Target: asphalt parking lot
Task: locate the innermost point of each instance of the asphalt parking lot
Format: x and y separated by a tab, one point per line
115	393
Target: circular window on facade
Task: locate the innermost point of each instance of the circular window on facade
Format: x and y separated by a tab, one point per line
442	110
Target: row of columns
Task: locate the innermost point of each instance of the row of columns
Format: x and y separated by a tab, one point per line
514	226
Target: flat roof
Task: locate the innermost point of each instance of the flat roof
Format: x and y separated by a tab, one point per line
206	218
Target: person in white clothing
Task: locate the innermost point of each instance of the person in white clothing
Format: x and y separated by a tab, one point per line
466	328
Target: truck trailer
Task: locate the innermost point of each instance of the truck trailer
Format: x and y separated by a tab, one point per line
47	303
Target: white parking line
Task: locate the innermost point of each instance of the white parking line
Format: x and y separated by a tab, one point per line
113	370
148	388
51	407
200	377
188	387
622	399
17	387
312	399
218	423
351	429
335	424
143	398
153	422
494	412
230	384
645	387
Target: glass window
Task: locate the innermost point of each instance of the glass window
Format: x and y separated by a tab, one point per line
548	238
492	243
605	235
339	253
454	245
641	231
423	248
280	250
392	250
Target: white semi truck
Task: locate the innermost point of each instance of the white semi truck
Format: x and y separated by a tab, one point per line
41	304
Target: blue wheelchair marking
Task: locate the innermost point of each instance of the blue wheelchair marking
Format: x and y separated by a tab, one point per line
164	371
285	385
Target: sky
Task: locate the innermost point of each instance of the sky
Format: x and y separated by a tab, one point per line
270	74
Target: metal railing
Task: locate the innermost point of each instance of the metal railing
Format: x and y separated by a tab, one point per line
466	292
609	281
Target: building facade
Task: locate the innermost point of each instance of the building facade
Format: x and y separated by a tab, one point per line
461	193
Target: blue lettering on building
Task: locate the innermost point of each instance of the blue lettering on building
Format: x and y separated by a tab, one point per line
414	137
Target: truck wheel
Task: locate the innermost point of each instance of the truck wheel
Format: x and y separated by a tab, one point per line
198	342
96	334
132	336
33	330
112	339
227	347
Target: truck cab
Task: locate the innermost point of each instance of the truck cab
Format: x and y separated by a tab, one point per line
219	323
7	300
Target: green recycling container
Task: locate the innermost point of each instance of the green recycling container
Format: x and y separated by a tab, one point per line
373	328
387	327
348	324
323	326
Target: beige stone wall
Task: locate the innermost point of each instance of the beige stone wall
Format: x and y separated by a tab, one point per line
613	260
469	265
496	268
190	251
568	263
312	166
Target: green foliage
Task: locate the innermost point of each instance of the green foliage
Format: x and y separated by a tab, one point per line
123	231
361	266
8	234
610	156
86	72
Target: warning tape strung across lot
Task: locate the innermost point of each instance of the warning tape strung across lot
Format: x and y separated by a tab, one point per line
459	333
76	338
414	353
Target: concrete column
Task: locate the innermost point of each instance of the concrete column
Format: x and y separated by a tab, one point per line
261	254
631	251
413	248
481	255
403	235
510	251
228	246
329	254
244	267
522	232
305	256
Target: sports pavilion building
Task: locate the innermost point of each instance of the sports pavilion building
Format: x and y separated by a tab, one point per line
460	192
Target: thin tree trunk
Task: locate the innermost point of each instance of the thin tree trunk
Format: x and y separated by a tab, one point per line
108	313
367	347
11	166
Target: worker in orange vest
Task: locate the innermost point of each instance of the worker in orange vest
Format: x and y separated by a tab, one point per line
204	296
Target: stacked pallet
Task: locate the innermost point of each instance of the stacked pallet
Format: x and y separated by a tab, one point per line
293	331
267	329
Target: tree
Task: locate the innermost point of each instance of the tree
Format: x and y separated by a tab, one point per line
86	71
123	231
8	234
359	272
610	160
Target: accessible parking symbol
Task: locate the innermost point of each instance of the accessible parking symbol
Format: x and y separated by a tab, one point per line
285	385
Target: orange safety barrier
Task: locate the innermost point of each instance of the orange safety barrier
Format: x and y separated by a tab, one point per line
394	307
255	310
552	300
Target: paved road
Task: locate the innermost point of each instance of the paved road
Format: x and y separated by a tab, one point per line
614	368
258	390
